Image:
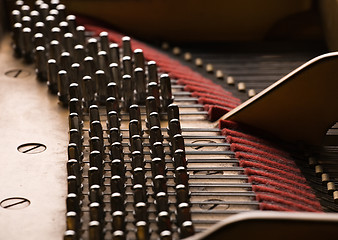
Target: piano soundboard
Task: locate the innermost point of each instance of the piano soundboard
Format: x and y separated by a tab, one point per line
108	137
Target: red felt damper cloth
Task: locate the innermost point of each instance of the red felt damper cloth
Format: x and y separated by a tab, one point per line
277	181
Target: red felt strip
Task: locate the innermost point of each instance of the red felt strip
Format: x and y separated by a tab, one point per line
284	174
292	197
250	172
291	204
258	159
222	98
238	137
278	185
274	207
203	100
238	147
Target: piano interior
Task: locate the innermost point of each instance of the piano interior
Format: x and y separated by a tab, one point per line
142	119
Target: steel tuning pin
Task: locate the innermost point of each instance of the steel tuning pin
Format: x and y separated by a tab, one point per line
166	94
126	46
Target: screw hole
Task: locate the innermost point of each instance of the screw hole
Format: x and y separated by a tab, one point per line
32	148
15	203
17	73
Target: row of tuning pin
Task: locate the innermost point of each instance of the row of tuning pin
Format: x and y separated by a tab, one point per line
84	73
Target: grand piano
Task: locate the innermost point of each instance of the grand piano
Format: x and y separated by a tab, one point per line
168	120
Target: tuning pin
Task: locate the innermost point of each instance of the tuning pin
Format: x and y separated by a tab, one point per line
75	107
161	202
112	104
128	91
117	202
164	225
113	120
139	58
55	34
116	75
65	62
101	84
113	90
80	33
92	48
50	22
126	45
95	230
73	184
104	42
153	90
118	221
135	113
177	143
141	213
167	97
173	112
136	143
89	69
142	230
72	221
115	53
134	128
27	45
27	22
55	51
182	194
127	65
73	203
138	176
94	177
71	19
96	212
174	128
116	182
70	235
158	167
116	151
62	10
181	176
74	152
18	40
43	10
74	91
25	10
95	194
74	169
118	168
139	193
152	72
137	159
150	106
119	235
155	135
179	158
154	120
114	135
103	62
140	88
159	184
186	229
94	114
96	160
40	63
63	87
157	150
88	92
68	40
